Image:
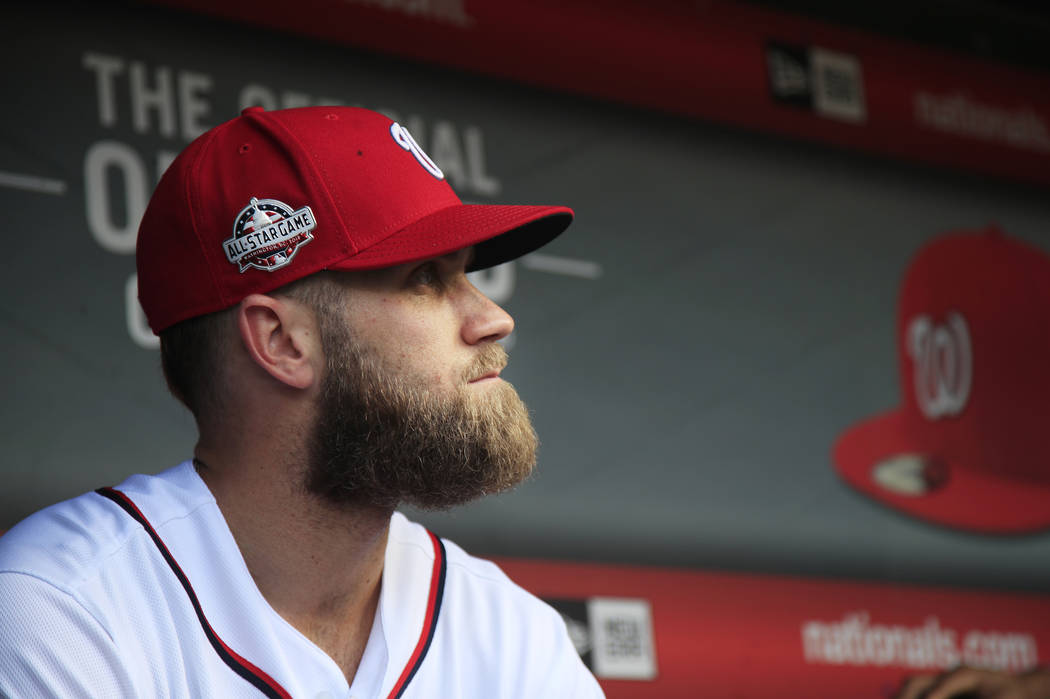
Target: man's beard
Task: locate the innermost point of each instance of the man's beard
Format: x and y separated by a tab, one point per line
381	439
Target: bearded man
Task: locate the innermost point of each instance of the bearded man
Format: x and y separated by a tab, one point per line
306	271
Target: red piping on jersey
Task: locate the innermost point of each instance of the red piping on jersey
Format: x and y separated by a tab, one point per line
263	682
426	635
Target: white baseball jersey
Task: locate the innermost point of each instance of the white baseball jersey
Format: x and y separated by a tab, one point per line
141	591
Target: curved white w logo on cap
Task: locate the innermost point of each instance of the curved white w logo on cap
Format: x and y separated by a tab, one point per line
943	362
405	140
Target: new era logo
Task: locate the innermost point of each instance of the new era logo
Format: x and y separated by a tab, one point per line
789	74
812	78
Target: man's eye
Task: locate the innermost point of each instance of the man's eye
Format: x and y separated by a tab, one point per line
426	275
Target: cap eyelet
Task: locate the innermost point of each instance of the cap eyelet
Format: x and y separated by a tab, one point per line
245	148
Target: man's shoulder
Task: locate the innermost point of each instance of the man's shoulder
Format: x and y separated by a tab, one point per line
492	625
477	593
481	578
65	543
62	543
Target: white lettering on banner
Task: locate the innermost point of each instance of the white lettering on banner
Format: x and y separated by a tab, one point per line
173	101
961	115
943	362
192	103
463	163
464	166
855	641
480	181
1010	651
159	98
106	206
113	235
106	69
445	145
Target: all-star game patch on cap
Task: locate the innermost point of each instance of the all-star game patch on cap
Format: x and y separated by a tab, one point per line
270	197
968	448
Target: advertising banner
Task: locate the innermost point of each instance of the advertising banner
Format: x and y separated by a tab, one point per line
725	61
659	632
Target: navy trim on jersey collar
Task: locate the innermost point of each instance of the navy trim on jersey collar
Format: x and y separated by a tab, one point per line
437	593
263	682
259	679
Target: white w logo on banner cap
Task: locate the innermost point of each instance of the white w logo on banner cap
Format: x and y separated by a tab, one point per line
943	362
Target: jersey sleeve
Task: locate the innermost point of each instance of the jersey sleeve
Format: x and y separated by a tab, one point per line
51	646
569	678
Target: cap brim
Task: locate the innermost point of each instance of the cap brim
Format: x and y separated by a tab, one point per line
971	499
499	233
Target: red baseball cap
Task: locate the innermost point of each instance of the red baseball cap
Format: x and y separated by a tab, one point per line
968	448
271	197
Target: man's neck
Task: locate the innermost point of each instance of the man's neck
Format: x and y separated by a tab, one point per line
318	566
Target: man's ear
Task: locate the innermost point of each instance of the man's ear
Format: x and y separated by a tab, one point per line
280	336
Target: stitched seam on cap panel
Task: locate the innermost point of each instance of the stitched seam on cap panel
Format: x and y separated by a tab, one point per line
319	180
195	214
503	215
412	246
413	217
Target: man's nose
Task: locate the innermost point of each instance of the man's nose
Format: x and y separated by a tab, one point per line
484	320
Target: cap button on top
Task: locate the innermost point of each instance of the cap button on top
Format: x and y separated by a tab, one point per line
249	110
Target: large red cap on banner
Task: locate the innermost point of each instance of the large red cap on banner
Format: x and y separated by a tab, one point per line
271	197
968	448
